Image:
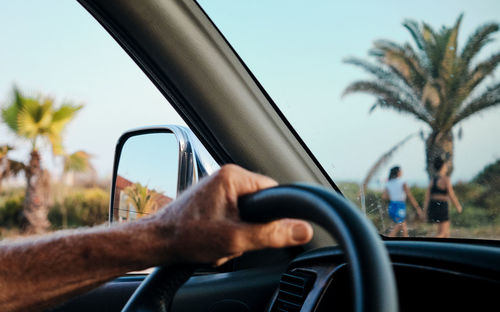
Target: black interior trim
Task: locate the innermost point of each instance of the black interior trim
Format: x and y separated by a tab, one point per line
252	288
467	258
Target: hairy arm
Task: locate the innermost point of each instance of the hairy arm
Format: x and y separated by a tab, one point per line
37	272
452	195
201	226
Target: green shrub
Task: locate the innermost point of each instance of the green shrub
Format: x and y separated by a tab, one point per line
351	191
419	194
471	217
83	207
490	175
11	209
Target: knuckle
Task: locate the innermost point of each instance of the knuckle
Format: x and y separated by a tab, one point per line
225	173
272	236
228	170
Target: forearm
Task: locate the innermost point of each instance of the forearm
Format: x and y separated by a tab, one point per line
455	201
414	203
63	264
426	201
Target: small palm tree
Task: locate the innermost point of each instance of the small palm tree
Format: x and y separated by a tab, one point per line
143	199
37	120
436	83
79	161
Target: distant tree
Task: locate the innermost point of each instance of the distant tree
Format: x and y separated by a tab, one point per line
77	162
143	199
436	83
40	121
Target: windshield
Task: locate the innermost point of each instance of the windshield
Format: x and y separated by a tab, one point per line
398	101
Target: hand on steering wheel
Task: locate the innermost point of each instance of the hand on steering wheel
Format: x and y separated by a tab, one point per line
371	271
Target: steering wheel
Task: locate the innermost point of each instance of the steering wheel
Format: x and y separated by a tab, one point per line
371	271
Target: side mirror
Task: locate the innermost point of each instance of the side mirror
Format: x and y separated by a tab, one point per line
152	166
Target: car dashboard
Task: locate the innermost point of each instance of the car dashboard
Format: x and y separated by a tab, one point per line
430	276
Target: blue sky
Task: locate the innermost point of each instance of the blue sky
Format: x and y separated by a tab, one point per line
295	48
151	160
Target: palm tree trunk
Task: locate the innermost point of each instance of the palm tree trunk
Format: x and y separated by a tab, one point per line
35	210
439	145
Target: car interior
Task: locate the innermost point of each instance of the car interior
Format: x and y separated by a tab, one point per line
348	265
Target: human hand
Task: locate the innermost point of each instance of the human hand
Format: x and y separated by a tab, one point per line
203	225
459	208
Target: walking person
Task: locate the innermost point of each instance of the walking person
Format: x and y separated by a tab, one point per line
396	191
439	192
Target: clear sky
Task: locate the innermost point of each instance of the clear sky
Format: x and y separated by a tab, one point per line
295	48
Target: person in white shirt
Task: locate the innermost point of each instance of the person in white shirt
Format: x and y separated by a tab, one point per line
396	191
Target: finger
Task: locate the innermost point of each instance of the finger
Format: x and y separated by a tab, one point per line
243	181
276	234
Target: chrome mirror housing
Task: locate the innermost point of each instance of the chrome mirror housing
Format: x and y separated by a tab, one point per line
152	166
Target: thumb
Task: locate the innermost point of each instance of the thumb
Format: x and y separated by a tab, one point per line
277	234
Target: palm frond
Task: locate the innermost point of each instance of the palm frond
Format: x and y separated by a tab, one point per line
402	60
4	149
483	70
414	29
62	116
488	99
33	118
387	74
389	97
480	38
428	33
9	113
55	140
15	167
450	51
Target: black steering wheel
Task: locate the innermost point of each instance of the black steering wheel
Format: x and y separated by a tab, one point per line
371	271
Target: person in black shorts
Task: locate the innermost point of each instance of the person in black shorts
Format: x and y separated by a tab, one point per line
439	192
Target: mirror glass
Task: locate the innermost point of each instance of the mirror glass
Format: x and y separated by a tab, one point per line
147	175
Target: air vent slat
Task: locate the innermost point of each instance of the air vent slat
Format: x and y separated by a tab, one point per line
293	290
288	293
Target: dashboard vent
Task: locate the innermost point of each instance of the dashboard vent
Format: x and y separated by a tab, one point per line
293	289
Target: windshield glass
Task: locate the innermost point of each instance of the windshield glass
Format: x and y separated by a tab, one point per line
399	101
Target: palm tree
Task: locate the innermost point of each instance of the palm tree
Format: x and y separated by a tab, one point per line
143	199
79	161
434	82
37	120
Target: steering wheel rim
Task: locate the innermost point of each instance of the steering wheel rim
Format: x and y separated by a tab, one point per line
371	271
